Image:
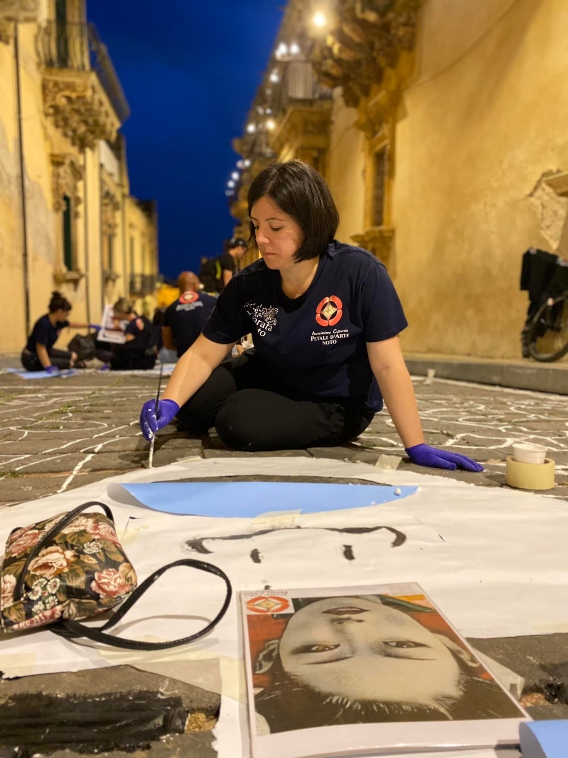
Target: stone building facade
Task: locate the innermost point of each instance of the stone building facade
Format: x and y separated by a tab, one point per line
68	221
440	127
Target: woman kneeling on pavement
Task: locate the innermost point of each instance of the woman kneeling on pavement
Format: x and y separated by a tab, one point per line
324	318
39	353
140	347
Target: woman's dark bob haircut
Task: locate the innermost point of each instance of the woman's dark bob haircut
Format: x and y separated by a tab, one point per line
298	190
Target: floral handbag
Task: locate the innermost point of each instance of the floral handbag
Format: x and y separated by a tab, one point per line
71	567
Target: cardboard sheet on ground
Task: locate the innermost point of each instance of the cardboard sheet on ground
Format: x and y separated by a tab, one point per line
252	499
493	560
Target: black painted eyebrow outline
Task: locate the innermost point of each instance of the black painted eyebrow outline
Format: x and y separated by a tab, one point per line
198	545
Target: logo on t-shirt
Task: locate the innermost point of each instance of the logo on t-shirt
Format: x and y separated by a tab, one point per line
263	316
189	297
329	311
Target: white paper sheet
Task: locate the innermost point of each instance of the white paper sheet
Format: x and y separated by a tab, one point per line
493	560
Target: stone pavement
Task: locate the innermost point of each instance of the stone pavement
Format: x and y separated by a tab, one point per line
58	434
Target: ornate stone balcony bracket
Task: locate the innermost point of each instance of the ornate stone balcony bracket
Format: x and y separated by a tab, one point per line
63	276
79	107
306	126
379	240
366	43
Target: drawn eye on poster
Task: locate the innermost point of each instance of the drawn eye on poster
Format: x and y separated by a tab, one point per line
109	332
319	660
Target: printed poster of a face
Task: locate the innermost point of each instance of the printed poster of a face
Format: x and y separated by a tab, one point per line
109	332
381	658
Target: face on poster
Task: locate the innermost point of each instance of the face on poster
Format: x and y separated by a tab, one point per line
109	332
360	659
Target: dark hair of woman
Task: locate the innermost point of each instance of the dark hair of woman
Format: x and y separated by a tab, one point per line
59	303
289	704
298	190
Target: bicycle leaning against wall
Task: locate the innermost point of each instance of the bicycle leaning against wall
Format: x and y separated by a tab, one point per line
548	331
545	334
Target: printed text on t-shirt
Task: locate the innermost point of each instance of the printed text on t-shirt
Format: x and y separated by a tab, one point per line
263	316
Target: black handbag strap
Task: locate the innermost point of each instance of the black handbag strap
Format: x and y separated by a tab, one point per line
74	629
18	591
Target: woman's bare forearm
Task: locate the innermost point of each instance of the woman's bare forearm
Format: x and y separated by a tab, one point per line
194	368
396	388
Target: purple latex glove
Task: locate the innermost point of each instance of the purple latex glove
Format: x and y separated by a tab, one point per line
150	422
424	455
95	326
52	370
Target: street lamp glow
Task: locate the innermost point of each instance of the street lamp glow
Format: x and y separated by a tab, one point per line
274	77
294	48
246	162
229	193
251	128
319	20
231	184
240	164
270	124
282	50
235	175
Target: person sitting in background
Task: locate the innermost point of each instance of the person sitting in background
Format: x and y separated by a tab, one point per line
39	353
139	350
184	320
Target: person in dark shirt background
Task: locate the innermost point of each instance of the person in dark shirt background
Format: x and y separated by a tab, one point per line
39	353
140	349
235	248
185	318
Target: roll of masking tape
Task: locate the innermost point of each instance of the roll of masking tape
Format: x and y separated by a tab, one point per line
530	476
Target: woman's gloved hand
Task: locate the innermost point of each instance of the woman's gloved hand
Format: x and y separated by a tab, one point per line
150	422
424	455
95	326
52	370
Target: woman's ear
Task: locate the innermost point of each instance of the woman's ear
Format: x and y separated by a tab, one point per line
267	657
460	652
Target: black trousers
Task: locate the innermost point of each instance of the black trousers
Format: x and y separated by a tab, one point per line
59	358
132	360
251	411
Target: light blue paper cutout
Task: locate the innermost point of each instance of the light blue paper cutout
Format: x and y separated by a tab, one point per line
252	499
544	739
64	374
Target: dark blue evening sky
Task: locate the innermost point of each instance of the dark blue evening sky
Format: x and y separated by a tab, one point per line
189	69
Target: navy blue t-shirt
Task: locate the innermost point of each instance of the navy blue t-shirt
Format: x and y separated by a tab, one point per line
44	333
316	343
187	316
141	329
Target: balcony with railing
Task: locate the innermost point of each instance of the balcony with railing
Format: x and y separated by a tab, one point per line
81	89
298	87
143	284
